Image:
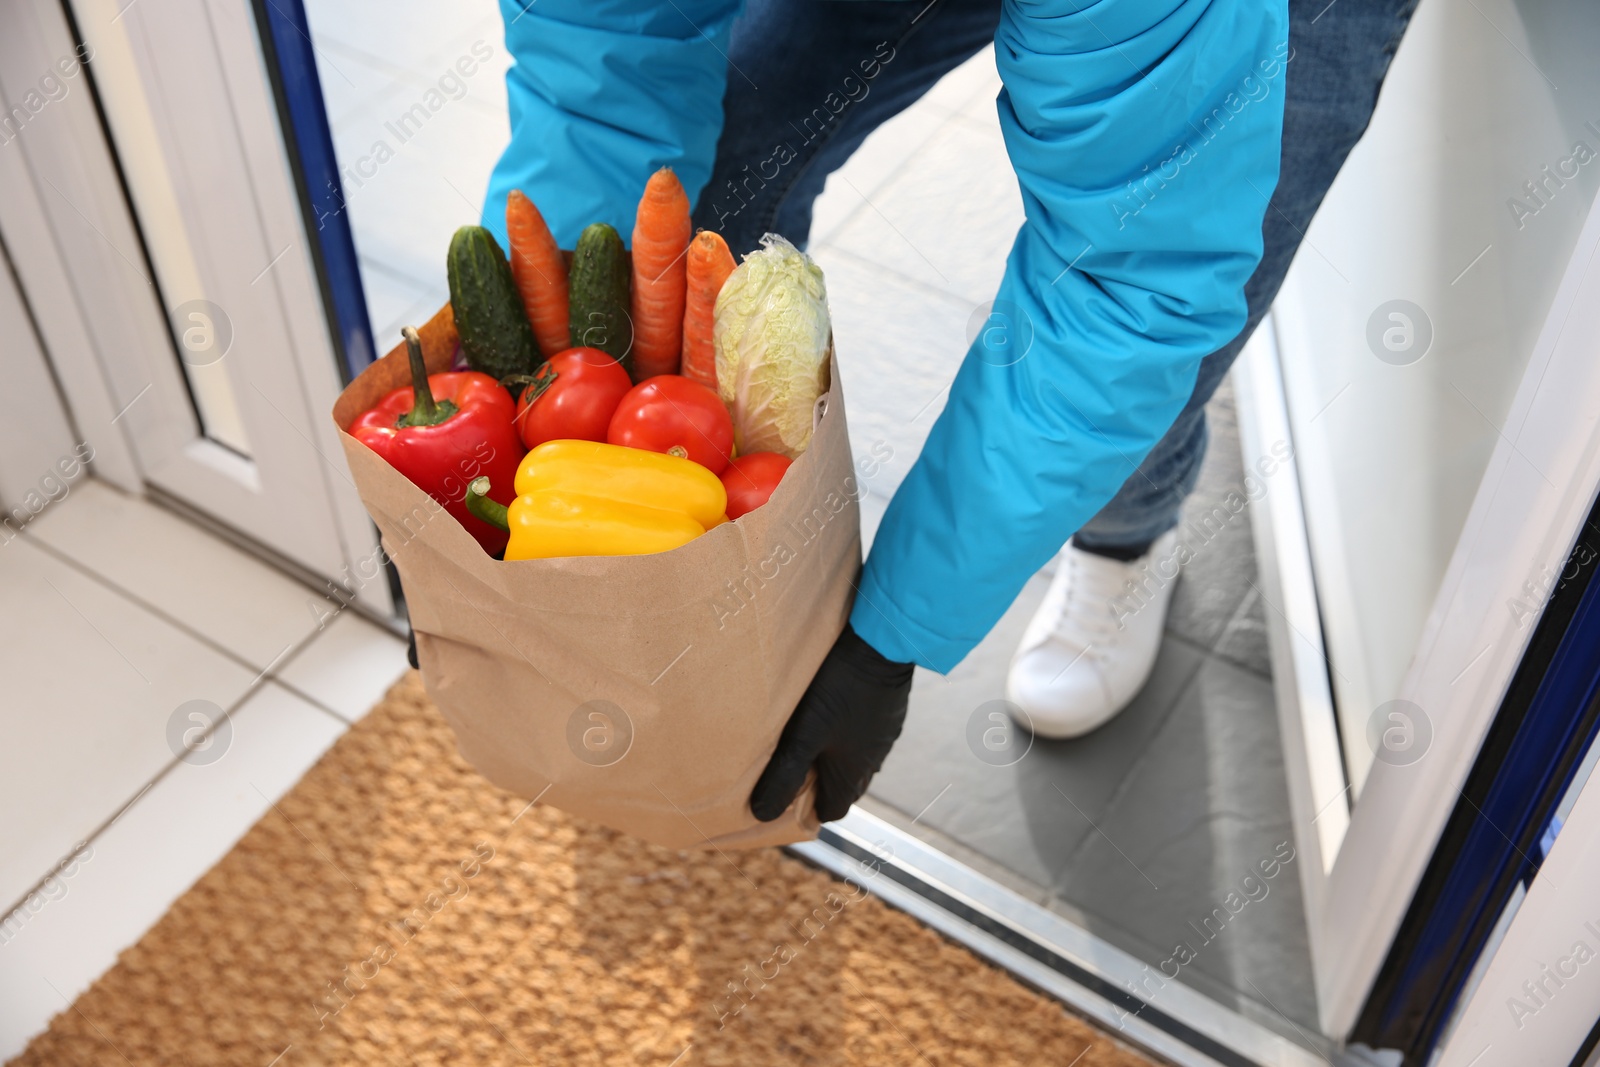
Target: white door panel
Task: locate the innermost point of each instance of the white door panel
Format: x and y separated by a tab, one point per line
201	303
170	105
1442	485
38	451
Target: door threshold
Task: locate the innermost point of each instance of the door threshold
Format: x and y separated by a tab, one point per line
1087	974
337	599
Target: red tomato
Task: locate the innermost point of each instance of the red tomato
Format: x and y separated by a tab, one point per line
669	413
577	403
751	479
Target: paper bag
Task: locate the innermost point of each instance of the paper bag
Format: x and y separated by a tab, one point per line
643	692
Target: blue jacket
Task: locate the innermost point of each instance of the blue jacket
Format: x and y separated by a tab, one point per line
1145	138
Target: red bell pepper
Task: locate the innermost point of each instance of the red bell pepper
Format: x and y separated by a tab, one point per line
444	430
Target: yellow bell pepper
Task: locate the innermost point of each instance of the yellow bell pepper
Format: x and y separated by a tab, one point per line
586	498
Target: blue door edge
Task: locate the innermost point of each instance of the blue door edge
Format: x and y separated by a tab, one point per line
1585	1053
291	63
292	69
1545	724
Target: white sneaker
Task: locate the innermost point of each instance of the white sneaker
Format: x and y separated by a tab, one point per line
1093	642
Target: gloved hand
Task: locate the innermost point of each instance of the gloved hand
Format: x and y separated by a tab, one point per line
845	723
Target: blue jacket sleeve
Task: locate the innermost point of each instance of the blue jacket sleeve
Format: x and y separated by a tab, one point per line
602	93
1145	135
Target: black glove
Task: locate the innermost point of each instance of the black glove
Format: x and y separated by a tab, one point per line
845	723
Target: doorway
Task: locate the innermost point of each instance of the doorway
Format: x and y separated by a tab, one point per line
1223	870
156	231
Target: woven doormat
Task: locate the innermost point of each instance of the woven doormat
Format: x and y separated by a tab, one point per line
395	908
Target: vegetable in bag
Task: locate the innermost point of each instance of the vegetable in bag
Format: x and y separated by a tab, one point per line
772	339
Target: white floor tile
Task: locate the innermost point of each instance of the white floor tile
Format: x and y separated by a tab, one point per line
899	345
982	108
348	666
394	300
976	78
355	82
348	79
247	607
409	38
948	218
136	868
405	209
92	681
880	156
359	86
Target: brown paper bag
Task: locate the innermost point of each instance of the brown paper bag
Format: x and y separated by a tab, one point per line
642	692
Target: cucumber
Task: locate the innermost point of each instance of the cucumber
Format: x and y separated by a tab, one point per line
597	294
495	335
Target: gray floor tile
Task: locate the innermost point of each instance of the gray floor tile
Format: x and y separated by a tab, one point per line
1244	642
1185	790
411	176
1215	526
358	71
404	207
1032	815
1203	809
960	851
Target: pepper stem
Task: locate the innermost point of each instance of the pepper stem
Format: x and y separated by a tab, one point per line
425	410
490	511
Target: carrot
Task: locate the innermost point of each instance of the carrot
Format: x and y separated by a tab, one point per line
708	263
540	273
661	232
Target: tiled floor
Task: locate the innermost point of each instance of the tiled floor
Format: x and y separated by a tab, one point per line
1135	831
121	621
1143	827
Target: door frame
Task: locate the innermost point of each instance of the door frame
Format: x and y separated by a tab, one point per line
83	265
1520	527
1558	1023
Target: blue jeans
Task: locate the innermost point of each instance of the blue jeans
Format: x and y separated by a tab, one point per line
875	57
